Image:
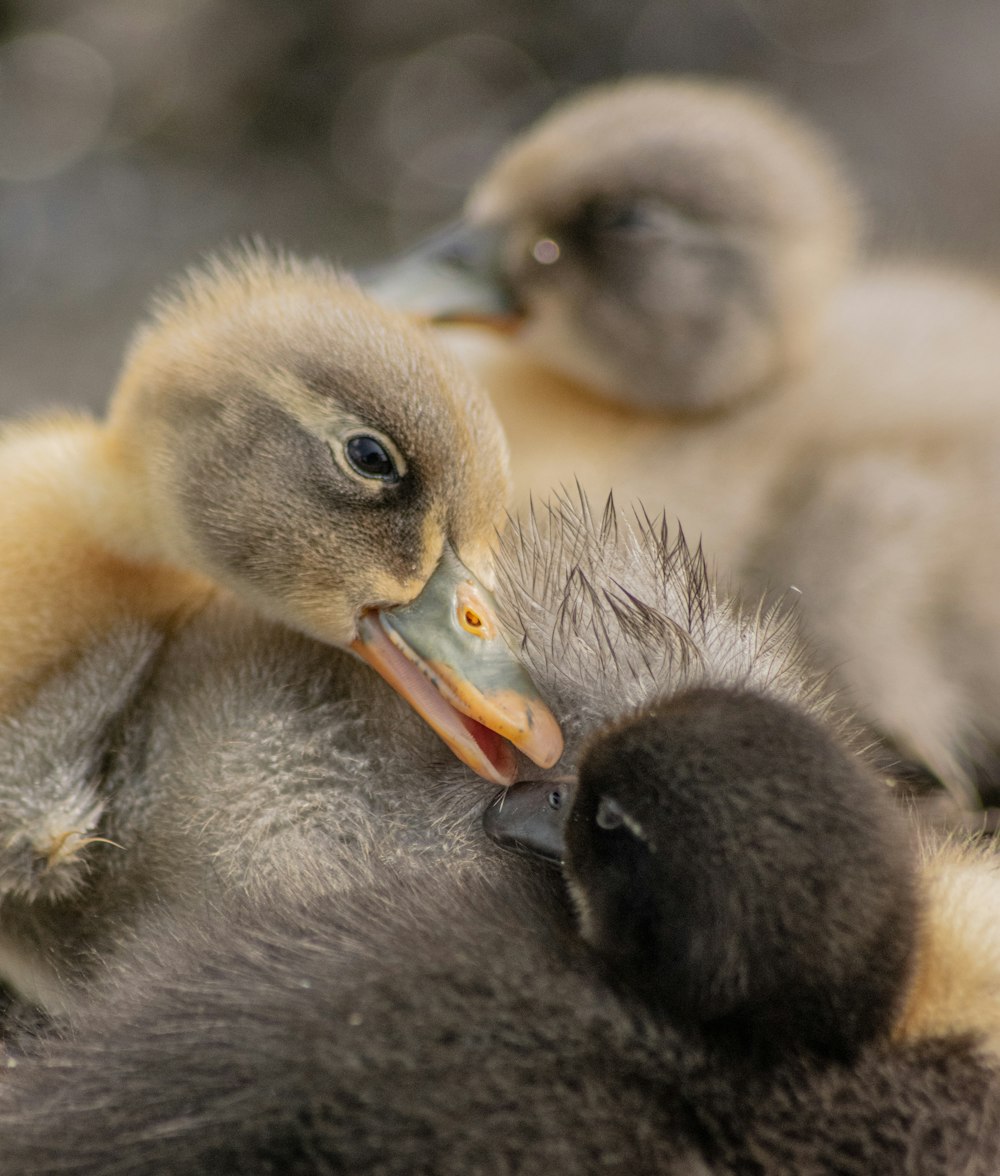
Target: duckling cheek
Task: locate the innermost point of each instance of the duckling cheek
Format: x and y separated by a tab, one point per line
552	334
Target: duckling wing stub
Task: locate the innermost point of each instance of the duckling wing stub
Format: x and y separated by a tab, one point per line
455	275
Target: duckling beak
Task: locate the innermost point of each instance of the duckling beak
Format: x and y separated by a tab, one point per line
445	654
456	275
531	816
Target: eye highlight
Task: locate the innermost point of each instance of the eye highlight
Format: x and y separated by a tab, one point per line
546	251
370	457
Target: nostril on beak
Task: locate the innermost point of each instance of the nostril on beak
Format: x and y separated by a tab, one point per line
471	617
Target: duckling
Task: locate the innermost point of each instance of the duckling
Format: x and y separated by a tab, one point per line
956	986
677	263
732	866
276	436
768	768
465	1021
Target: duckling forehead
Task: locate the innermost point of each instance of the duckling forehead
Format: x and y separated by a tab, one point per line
718	151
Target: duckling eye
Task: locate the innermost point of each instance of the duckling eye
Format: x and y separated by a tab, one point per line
622	217
556	798
619	216
609	814
370	458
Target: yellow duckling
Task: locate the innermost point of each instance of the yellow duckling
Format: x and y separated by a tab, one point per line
277	435
676	258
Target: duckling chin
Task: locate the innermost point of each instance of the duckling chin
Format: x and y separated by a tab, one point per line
691	329
277	434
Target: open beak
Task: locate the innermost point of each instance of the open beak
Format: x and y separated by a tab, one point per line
456	275
445	655
531	817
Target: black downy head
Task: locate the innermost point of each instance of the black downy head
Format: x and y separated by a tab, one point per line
732	865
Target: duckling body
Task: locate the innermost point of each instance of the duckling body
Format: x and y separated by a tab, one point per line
463	1019
277	436
696	332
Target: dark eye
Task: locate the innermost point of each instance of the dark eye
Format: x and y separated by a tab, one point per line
619	217
370	458
556	798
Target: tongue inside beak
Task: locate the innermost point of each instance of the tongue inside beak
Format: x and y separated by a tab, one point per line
445	655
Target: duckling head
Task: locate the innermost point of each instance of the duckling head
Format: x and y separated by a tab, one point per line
731	865
669	243
327	462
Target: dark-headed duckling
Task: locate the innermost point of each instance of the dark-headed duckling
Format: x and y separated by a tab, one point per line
733	866
726	861
276	434
676	259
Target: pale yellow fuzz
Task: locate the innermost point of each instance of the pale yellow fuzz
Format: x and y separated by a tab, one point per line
956	985
66	521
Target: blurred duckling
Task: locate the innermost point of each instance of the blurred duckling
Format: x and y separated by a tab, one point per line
677	262
275	435
743	924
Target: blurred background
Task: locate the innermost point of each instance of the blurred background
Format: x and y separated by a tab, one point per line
136	134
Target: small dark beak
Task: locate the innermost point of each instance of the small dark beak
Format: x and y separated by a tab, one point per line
531	817
456	275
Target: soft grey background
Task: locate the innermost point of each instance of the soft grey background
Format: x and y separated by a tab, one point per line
136	134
